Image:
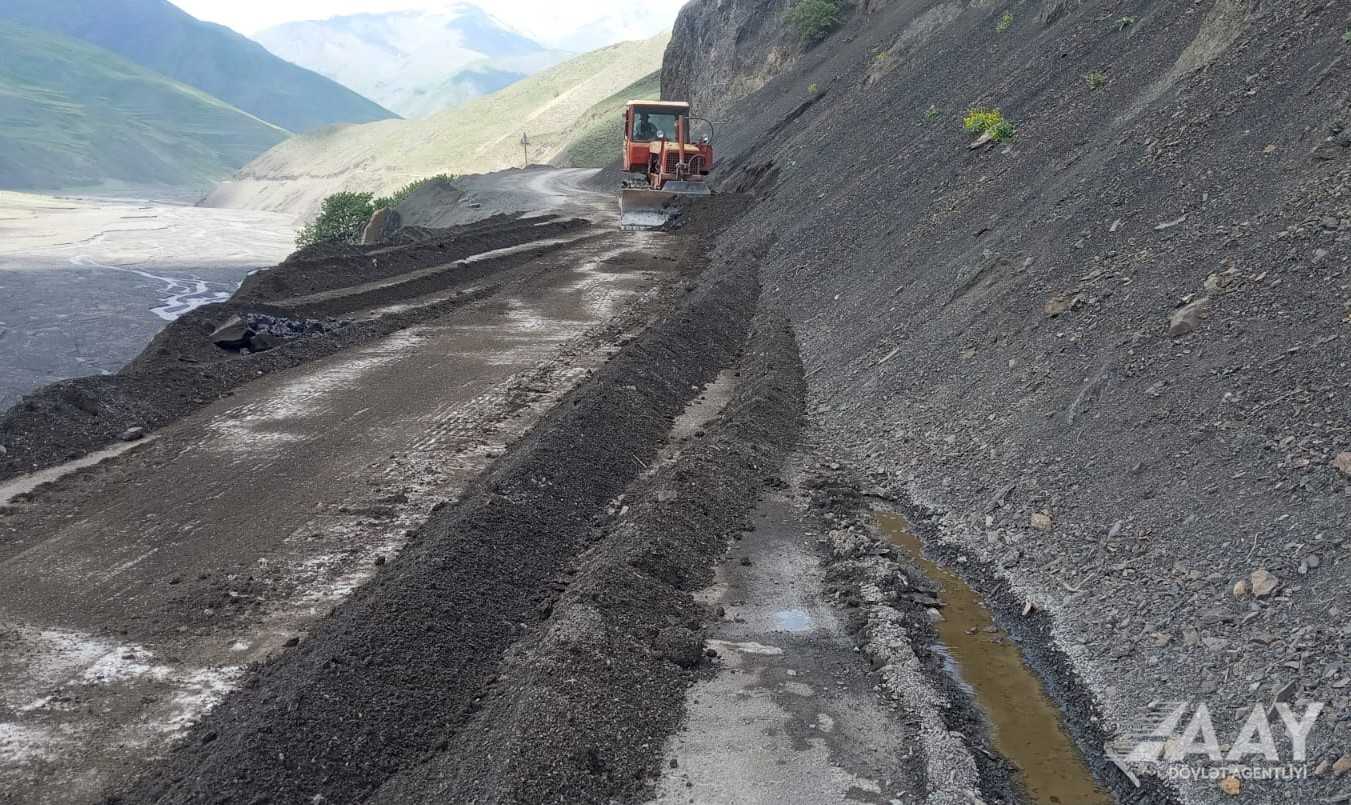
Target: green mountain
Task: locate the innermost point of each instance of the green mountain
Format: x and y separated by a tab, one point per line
159	36
72	114
550	107
597	139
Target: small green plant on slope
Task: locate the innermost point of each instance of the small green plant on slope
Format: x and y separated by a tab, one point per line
1005	22
982	120
813	19
1123	23
1346	37
342	217
1096	80
933	114
811	89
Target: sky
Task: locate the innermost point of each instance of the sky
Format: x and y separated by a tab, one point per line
541	19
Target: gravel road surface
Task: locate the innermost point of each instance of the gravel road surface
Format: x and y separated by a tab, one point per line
138	591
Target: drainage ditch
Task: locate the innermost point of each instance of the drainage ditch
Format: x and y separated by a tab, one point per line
1026	726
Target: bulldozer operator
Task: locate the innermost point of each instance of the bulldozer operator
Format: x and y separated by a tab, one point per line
646	129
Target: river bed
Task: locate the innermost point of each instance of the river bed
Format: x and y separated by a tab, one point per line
86	282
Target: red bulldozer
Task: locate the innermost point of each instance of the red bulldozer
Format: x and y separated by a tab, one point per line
661	161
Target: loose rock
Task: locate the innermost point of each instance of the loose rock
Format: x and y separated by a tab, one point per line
233	334
262	342
1188	318
1056	306
1263	582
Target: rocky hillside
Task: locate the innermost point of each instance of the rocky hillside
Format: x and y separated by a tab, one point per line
551	107
413	62
75	115
1108	354
160	37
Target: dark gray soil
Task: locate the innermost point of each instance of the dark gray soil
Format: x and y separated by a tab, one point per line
581	709
182	370
438	659
988	329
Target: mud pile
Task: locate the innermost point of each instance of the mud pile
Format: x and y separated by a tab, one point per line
534	641
1108	357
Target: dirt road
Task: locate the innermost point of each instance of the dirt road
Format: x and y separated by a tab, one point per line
135	593
532	523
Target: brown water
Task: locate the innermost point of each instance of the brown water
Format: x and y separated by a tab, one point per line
1027	727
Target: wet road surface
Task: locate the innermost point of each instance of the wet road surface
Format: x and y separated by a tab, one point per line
133	593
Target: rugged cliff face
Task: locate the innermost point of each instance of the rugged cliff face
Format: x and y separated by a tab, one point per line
722	51
1132	320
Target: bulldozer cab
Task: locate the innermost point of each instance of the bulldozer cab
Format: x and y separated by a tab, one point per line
656	116
647	125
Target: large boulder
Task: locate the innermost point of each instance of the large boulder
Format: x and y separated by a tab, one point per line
382	226
233	334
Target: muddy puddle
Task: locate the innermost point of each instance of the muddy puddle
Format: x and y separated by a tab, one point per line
1026	726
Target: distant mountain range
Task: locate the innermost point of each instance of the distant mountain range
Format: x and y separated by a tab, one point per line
72	114
569	112
159	36
413	62
125	93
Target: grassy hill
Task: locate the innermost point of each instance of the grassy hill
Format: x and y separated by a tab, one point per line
482	135
72	114
159	36
597	139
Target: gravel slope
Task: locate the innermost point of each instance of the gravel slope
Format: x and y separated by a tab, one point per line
1001	335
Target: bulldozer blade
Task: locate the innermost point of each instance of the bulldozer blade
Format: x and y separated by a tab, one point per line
644	208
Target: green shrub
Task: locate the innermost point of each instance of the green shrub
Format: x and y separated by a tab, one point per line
1005	22
982	120
933	113
342	218
811	89
813	19
1096	80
